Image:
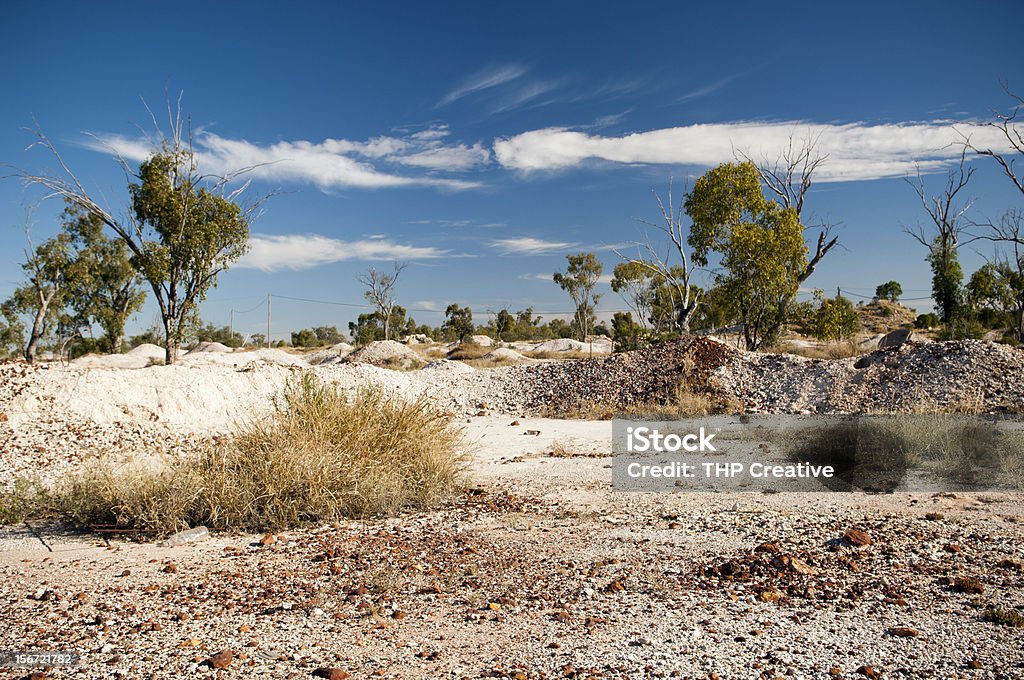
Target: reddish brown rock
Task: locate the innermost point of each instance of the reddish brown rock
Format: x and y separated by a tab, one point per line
221	659
857	538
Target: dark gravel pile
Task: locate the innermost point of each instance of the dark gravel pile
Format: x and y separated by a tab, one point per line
965	375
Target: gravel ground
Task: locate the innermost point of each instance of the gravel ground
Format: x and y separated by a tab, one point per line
541	571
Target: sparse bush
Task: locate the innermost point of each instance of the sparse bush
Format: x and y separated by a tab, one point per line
1003	617
926	321
879	450
319	457
834	319
25	500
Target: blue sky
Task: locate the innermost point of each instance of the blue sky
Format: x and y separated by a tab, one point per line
482	142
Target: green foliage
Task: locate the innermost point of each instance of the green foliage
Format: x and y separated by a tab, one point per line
504	324
579	280
760	245
317	337
717	310
107	291
12	332
627	333
833	319
189	234
51	272
458	322
989	295
929	320
224	335
947	276
890	290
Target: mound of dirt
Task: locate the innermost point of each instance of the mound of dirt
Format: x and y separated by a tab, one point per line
266	355
448	366
570	345
883	316
504	354
329	354
387	354
482	340
148	350
210	347
968	374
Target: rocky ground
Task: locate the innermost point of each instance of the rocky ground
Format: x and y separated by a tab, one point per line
540	569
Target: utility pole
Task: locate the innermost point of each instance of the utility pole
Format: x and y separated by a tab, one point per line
268	320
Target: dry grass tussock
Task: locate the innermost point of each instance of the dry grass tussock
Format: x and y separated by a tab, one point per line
468	350
846	349
682	402
954	447
545	354
321	456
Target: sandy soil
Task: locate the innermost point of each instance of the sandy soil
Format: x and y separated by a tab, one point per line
540	570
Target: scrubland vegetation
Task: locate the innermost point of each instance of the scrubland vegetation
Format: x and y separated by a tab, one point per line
322	455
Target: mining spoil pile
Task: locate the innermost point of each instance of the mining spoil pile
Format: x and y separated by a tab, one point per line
387	353
967	373
53	417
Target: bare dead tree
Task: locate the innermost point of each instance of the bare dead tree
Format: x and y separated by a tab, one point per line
380	292
1010	129
946	213
790	176
660	263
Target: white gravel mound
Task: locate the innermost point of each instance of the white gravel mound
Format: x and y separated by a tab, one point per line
482	340
210	347
506	354
570	345
148	350
329	354
448	366
387	354
276	357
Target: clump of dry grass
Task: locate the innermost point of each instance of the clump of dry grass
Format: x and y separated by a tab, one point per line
845	349
468	350
320	456
952	447
1003	617
547	354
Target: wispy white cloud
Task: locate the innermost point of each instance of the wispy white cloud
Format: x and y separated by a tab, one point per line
856	151
526	94
604	278
530	246
429	305
492	76
330	164
304	251
701	92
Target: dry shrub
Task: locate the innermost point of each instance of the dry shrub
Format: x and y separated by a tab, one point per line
845	349
468	350
547	354
958	449
320	456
